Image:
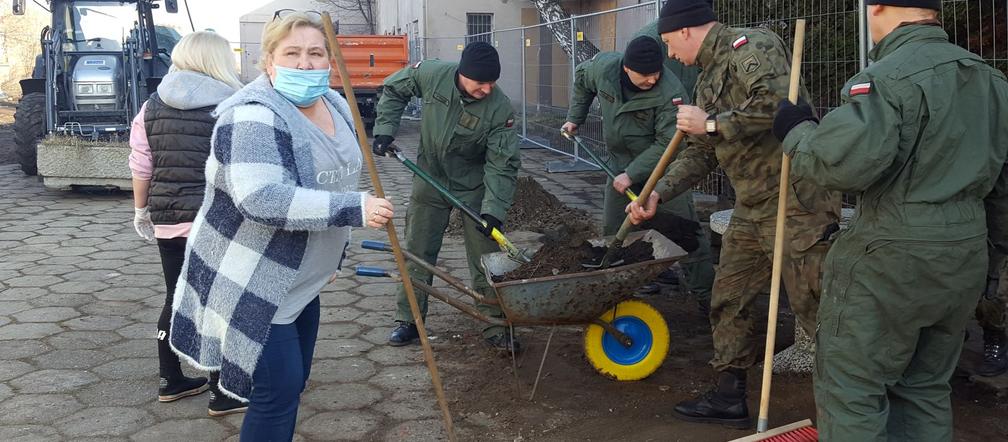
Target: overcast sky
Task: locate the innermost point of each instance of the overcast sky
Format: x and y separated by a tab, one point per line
219	15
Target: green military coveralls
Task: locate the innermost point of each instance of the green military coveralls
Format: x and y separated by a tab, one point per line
921	139
637	127
745	75
467	145
687	75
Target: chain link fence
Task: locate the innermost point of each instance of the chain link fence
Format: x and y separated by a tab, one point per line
539	60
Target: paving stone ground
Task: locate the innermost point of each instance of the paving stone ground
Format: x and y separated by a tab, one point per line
80	294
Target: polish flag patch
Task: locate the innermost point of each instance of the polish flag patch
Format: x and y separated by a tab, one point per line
860	89
739	42
677	101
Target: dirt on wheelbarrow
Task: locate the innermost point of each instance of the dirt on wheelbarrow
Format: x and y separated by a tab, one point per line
575	403
534	209
555	258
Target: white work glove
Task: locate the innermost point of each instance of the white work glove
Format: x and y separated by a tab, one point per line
143	224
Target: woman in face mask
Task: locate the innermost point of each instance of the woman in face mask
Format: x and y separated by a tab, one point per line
281	198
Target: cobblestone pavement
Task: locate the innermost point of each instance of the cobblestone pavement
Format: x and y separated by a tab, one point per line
80	294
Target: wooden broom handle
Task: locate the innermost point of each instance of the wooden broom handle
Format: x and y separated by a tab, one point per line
778	252
365	147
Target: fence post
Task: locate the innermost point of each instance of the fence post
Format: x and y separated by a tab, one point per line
524	93
863	38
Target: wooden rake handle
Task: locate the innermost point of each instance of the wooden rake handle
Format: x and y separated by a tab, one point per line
337	57
778	252
649	186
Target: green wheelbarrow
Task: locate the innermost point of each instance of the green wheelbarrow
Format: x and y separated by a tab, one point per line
625	339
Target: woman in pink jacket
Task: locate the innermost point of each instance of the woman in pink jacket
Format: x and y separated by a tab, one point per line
170	141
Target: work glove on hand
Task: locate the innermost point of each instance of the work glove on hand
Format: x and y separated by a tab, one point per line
142	224
383	147
491	223
790	115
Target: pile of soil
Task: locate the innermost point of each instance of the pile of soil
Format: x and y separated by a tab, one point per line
558	259
535	210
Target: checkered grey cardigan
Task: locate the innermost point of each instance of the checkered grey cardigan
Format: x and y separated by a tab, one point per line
250	234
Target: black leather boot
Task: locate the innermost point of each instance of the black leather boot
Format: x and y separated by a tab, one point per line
723	405
995	361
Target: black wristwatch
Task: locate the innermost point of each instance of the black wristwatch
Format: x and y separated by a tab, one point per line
711	125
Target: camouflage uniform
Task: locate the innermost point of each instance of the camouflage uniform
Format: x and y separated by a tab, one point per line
637	127
745	74
921	139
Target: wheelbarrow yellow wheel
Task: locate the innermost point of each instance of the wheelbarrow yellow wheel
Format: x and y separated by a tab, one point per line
650	342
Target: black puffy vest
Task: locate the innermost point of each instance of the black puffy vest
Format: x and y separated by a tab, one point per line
180	144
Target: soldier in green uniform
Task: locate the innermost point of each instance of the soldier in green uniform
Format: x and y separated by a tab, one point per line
921	139
638	100
745	73
468	144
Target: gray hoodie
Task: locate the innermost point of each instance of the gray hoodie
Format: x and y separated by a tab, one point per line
186	90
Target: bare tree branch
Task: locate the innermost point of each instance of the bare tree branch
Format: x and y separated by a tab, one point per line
363	9
551	12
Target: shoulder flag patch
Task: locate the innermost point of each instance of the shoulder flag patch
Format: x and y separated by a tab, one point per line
860	89
677	101
509	122
739	42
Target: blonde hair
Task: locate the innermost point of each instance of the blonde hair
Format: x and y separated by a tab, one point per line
280	28
207	53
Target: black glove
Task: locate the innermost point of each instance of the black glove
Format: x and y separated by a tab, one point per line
790	115
382	146
491	223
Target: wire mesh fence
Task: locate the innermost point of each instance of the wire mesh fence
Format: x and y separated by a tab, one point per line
539	60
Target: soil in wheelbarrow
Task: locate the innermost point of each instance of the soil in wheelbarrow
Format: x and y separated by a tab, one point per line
536	210
560	258
575	403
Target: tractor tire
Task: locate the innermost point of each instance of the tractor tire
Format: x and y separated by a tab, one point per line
29	128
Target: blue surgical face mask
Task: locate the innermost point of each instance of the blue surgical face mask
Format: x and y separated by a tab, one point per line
301	87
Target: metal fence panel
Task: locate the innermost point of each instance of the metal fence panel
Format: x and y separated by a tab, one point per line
538	68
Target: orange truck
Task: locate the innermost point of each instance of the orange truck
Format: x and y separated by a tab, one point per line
369	59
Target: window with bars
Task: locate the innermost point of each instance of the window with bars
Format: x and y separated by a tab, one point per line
478	27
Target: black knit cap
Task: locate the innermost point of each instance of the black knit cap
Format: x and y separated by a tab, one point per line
480	62
643	55
678	14
926	4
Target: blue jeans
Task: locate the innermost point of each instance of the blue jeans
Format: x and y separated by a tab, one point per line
280	378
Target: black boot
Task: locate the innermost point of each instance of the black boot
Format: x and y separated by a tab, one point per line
221	405
503	342
404	333
173	384
724	405
995	361
173	389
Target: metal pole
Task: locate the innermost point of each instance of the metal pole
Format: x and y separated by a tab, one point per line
573	55
524	93
862	35
657	9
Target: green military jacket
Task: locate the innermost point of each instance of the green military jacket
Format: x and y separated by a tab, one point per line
745	76
687	75
467	144
637	126
921	138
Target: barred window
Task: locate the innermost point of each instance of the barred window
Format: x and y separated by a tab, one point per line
478	27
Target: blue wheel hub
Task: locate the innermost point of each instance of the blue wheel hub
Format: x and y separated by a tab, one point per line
640	335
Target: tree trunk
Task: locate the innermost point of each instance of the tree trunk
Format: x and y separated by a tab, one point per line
551	11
